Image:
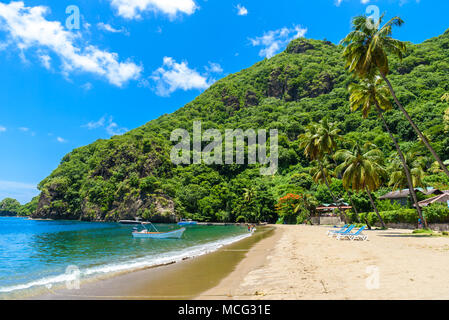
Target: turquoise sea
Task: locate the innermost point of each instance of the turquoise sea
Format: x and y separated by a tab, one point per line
37	254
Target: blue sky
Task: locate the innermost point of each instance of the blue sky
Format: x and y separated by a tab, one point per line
131	61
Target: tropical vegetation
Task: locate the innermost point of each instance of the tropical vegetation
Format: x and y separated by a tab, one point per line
355	121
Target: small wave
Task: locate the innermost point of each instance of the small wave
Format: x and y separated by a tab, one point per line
139	263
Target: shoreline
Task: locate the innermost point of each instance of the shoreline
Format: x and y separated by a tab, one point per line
183	279
255	258
293	262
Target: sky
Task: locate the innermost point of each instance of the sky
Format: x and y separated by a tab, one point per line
76	71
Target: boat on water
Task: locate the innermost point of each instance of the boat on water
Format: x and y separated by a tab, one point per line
187	223
175	234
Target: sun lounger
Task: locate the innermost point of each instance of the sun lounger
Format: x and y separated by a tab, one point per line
332	233
353	236
340	230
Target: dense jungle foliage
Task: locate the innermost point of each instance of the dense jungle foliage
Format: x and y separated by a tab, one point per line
132	176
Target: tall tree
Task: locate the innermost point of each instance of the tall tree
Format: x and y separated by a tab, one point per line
372	93
366	52
319	140
415	162
362	170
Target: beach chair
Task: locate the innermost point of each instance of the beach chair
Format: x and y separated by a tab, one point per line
340	230
353	236
334	233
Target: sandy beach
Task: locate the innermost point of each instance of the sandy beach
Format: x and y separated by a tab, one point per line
301	262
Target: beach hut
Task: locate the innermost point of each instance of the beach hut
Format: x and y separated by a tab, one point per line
441	198
402	196
331	210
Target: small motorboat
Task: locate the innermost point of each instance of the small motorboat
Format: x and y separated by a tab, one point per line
175	234
187	223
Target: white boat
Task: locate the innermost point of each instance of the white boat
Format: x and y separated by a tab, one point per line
175	234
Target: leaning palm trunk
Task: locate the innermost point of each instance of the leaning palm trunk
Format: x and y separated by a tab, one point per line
404	165
352	204
330	191
414	126
375	208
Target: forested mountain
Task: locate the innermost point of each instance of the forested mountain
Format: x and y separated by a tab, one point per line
132	175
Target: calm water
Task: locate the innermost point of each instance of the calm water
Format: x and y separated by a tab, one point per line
35	254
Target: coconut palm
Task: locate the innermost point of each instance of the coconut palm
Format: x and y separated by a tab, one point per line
366	50
415	162
328	134
445	97
362	170
249	194
372	93
319	140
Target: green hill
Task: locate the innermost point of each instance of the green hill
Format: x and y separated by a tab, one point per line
132	175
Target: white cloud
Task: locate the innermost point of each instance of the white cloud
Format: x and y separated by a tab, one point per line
24	129
28	28
96	124
45	59
87	86
132	9
241	10
111	127
173	76
61	140
273	41
23	192
107	27
114	130
2	129
214	68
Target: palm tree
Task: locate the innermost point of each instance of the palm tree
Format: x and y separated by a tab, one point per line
317	141
445	97
328	136
415	162
362	170
373	93
309	203
321	172
366	49
249	194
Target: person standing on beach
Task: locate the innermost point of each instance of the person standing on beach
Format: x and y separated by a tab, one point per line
419	224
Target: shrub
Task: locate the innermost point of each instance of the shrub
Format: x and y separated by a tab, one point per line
386	205
393	216
352	217
436	213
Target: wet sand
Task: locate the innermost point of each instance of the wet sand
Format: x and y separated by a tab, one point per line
301	262
182	280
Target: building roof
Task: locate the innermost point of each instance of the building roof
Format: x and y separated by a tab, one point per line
333	206
442	198
406	192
